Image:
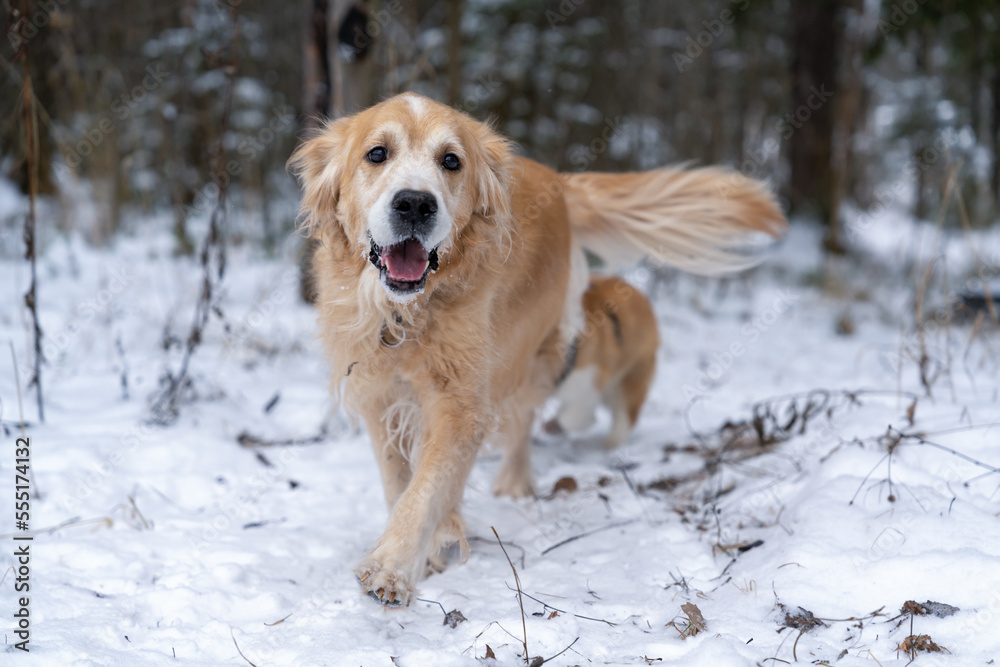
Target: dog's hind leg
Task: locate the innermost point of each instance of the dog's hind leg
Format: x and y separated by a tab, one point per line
514	438
625	398
518	415
578	398
615	399
635	385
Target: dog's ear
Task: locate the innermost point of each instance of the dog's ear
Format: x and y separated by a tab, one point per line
319	164
493	157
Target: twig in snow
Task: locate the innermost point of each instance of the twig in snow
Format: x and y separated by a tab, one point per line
561	611
251	441
520	600
870	472
513	545
278	622
238	649
124	375
963	215
683	583
434	602
560	652
75	521
851	619
35	488
918	302
919	439
451	618
795	644
17	383
587	534
895	438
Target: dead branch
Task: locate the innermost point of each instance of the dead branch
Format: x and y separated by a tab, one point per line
520	599
30	252
587	534
546	605
213	254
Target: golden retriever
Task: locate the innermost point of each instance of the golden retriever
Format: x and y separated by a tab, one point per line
613	362
450	275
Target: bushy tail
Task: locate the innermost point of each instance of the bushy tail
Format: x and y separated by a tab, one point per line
708	220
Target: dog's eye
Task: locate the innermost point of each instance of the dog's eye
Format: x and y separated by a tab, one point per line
451	162
377	155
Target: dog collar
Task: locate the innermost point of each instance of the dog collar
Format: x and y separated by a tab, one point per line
571	353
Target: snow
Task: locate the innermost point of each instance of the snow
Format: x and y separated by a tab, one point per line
173	545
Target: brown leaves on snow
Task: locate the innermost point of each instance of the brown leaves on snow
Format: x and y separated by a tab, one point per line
453	618
914	643
692	624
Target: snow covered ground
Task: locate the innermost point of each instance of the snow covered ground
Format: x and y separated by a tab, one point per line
178	546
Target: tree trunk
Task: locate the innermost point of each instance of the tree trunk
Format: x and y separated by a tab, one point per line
353	84
815	43
847	109
317	76
995	138
454	52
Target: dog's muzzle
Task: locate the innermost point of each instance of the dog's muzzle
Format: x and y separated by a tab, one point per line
405	263
404	266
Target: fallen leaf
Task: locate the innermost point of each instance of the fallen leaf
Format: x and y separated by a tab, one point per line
802	620
453	618
915	643
695	621
489	653
567	484
553	615
694	614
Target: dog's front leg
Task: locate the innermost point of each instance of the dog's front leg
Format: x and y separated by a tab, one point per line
454	424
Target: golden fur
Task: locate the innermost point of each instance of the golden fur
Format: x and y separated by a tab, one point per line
614	363
478	347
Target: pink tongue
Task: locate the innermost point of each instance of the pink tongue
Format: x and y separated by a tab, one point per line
406	260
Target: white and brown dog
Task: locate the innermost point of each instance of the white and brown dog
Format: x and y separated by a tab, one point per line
450	276
612	361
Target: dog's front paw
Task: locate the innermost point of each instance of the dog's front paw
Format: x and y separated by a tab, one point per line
383	585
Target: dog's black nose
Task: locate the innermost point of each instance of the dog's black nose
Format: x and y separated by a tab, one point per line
414	207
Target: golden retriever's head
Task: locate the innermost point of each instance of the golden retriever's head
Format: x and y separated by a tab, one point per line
400	182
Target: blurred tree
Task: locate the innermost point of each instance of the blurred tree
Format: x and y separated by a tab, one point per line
317	75
817	36
955	46
835	101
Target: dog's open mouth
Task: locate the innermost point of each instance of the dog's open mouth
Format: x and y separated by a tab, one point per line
404	266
